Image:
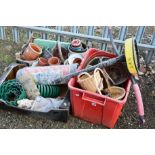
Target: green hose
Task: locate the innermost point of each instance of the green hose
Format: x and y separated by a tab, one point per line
11	91
49	90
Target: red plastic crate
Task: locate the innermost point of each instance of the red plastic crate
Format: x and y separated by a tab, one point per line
93	107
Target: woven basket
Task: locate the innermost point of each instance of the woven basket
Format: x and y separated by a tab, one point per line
93	83
99	81
113	91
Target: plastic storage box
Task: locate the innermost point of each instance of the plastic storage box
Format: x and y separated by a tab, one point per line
93	107
60	114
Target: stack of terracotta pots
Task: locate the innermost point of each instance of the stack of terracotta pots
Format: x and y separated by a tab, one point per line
56	56
33	52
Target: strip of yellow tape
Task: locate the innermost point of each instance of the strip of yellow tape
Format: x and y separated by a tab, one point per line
131	57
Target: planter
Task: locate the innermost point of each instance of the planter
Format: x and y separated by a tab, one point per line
54	61
42	62
81	50
32	52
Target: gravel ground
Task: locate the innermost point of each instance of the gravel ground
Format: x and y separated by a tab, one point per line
128	118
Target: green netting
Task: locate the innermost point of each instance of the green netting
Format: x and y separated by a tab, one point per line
11	91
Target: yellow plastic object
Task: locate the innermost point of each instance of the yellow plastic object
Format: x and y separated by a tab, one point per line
131	56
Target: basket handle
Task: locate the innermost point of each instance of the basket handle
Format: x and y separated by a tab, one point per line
107	75
104	75
60	52
97	86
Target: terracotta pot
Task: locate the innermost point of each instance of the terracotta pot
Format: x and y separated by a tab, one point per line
54	61
77	60
32	52
42	62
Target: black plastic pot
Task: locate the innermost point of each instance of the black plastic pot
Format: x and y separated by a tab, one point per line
82	50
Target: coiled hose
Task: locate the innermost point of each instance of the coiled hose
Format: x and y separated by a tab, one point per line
49	90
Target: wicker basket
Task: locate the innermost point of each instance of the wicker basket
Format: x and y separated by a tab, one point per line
114	92
98	81
92	82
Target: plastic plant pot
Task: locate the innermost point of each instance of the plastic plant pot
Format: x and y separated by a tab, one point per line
78	50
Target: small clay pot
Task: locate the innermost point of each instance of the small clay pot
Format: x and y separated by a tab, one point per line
32	52
54	61
77	60
42	62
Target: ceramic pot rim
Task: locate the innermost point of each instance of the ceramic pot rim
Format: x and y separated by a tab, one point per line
40	49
